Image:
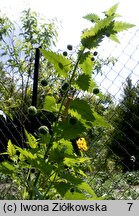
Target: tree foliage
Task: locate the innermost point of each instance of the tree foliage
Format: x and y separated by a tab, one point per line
18	43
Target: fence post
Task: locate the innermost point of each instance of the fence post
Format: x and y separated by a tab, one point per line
35	80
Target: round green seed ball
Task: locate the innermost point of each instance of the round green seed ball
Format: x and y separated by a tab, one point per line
43	130
32	110
96	90
44	82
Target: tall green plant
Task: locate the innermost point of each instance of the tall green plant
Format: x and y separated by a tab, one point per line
54	164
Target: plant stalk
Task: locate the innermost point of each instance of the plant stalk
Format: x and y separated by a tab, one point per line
59	112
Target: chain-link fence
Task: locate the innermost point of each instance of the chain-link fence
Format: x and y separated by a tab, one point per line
105	176
126	64
113	79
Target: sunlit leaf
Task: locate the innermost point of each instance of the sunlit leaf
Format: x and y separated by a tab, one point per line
83	81
84	186
26	153
108	26
83	108
86	64
92	17
100	121
60	63
50	104
11	149
92	37
114	38
69	131
7	168
32	142
122	26
73	161
111	11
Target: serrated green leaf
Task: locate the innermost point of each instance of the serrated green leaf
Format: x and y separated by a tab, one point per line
84	159
67	145
60	149
32	142
86	64
111	11
92	17
114	38
122	26
50	104
69	131
83	82
42	166
70	161
43	139
21	157
74	113
100	121
74	161
7	168
7	165
79	184
84	186
92	85
62	187
84	56
92	37
85	123
102	25
71	178
26	153
11	149
56	155
93	31
60	63
108	26
82	108
82	173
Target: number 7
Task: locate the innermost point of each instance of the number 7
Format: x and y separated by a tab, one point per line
130	204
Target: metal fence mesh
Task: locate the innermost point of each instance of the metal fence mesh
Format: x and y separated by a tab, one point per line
111	80
126	55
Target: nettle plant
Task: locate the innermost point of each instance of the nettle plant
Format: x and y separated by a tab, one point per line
54	164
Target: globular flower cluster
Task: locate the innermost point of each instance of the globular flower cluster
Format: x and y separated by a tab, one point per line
82	145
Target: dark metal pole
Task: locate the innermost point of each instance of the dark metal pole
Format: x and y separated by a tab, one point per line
35	81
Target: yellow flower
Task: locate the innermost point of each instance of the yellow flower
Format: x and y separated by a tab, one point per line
82	145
